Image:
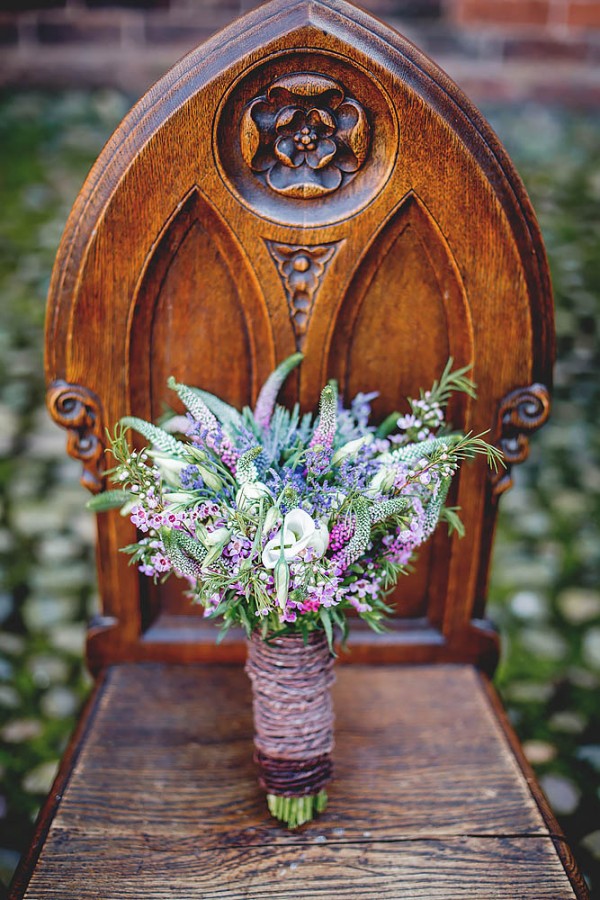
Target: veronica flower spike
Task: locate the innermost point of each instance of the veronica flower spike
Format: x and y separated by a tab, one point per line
265	403
321	445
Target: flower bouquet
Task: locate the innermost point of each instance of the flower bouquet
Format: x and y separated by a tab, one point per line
284	524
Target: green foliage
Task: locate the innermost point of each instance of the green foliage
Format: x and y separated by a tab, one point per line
157	436
108	500
450	515
449	382
226	414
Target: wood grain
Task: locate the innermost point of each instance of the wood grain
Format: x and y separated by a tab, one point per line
424	773
447	869
169	265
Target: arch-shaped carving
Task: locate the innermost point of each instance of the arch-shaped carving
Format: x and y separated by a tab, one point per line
406	292
197	312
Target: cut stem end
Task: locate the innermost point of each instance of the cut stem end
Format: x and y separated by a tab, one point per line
296	811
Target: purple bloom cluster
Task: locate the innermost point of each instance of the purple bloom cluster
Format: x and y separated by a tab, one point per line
341	533
151	520
191	479
237	551
359	593
216	441
157	562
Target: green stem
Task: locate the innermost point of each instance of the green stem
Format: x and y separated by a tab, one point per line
296	811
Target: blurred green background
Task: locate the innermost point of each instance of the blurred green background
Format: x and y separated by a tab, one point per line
545	593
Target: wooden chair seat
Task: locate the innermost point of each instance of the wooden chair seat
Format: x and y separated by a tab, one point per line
158	796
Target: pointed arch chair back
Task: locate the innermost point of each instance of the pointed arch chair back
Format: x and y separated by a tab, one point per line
306	179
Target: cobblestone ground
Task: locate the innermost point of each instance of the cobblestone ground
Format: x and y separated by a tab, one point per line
544	595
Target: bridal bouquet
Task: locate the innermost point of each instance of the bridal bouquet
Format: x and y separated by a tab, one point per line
284	523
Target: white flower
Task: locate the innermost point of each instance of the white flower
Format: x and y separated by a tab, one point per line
351	448
218	536
271	519
299	533
250	494
169	468
211	480
381	482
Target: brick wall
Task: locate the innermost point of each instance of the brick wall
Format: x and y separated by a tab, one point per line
495	49
551	46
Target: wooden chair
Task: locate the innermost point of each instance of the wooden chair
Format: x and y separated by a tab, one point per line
195	250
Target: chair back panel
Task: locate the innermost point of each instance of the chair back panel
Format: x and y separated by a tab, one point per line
209	243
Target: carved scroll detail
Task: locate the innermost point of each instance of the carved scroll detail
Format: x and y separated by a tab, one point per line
79	410
301	269
304	135
520	413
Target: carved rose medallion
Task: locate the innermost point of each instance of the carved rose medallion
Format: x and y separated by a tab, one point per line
304	136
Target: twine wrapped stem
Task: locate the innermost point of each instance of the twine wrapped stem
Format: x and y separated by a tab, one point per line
293	722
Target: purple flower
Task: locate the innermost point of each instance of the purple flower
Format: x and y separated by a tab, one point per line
191	479
341	533
139	518
265	402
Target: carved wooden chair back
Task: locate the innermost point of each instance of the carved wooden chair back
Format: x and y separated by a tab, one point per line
306	179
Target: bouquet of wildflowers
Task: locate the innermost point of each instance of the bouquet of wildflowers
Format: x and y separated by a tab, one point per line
283	523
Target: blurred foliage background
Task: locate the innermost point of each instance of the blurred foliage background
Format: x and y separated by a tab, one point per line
545	593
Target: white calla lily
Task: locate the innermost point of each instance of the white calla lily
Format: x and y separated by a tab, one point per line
300	532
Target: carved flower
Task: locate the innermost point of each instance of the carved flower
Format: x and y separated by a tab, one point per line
304	134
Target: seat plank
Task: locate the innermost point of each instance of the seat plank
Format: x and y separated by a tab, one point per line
426	785
443	869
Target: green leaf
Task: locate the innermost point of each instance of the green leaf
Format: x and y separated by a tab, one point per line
388	425
327	627
450	515
452	381
109	500
244	618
